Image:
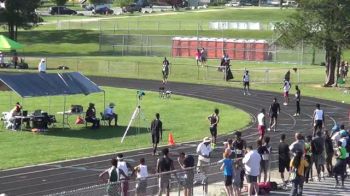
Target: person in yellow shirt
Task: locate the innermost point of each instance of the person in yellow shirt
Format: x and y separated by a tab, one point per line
297	165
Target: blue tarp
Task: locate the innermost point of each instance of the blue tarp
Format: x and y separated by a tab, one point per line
43	84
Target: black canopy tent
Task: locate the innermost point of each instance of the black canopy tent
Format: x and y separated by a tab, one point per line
55	84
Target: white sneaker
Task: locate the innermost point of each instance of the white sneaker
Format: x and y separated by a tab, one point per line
285	103
249	94
244	93
268	129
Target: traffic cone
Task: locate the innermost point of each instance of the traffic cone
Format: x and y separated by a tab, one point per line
171	141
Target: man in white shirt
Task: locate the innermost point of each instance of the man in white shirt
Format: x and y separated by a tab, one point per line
203	151
261	124
318	119
251	163
124	166
110	115
42	66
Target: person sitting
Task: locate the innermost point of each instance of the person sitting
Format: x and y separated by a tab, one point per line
110	115
16	111
91	116
2	60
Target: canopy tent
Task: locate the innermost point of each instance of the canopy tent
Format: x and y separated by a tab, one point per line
42	84
8	44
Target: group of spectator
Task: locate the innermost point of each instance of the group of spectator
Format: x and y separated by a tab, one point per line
108	115
201	56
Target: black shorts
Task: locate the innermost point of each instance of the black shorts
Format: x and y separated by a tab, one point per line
228	180
155	138
283	165
318	124
165	74
252	179
273	115
246	84
213	131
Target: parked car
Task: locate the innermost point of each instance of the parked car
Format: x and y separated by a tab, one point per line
132	8
61	10
290	4
102	10
233	4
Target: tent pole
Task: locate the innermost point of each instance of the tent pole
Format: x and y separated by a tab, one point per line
64	110
104	99
49	105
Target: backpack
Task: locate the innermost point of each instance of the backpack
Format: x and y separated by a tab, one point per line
114	177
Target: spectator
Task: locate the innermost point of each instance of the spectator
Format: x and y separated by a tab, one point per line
214	120
286	88
261	124
236	183
297	165
16	111
113	175
297	100
239	146
186	162
2	60
318	120
164	164
274	110
317	149
203	151
329	153
198	56
42	66
298	145
110	115
142	174
264	152
227	166
340	166
203	56
308	158
156	130
123	165
15	60
91	116
252	169
283	157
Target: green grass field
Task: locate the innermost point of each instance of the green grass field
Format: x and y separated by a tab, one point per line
185	117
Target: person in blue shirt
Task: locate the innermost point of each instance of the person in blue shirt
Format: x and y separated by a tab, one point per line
227	167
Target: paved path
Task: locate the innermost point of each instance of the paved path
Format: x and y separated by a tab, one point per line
70	175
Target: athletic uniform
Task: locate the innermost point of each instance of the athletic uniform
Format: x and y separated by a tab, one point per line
318	119
261	124
246	84
213	125
286	88
297	100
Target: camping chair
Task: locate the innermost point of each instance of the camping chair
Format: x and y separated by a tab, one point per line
104	120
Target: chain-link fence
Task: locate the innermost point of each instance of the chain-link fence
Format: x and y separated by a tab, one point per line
181	69
249	50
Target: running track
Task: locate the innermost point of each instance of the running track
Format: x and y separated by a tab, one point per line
75	174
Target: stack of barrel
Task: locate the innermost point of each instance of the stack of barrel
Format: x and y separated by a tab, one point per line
236	49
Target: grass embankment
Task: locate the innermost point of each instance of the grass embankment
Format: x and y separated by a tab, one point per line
185	117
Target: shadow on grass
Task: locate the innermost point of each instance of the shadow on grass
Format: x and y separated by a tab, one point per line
104	132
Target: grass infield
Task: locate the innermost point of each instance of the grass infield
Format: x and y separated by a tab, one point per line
185	117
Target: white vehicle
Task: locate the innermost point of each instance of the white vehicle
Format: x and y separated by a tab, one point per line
233	4
290	4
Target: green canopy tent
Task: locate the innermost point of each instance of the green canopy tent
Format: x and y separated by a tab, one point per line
7	44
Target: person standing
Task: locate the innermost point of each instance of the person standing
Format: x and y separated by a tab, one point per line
286	88
141	176
308	158
203	56
328	143
15	60
298	145
227	167
2	60
109	114
317	149
297	100
91	116
164	164
198	56
274	110
214	120
42	66
261	124
297	166
283	157
203	150
264	152
165	70
340	166
318	119
239	147
125	166
112	176
186	162
157	132
252	169
246	80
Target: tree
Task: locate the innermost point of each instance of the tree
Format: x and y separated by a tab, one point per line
59	2
325	24
19	14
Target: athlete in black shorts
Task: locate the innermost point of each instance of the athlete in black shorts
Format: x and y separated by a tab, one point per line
156	130
274	110
283	157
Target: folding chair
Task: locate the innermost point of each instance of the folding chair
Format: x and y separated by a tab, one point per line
104	120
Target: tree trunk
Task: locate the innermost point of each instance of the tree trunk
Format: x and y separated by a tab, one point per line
11	29
331	62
